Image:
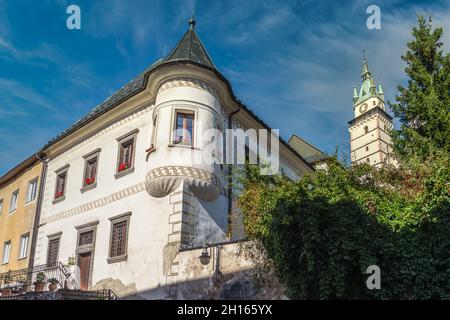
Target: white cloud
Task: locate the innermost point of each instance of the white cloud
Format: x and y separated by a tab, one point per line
18	90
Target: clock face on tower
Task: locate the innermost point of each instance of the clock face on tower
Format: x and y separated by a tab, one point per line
363	108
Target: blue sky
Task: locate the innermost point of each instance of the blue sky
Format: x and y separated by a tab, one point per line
294	63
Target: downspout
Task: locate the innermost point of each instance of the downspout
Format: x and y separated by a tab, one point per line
230	171
37	217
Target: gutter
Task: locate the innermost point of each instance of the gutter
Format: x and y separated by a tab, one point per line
37	217
230	170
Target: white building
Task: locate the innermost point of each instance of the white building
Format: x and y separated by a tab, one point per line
370	141
122	198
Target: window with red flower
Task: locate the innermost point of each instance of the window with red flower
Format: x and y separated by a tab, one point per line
61	179
90	168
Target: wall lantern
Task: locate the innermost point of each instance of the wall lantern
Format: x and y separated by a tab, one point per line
204	257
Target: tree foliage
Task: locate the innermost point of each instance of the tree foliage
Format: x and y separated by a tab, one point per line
423	106
323	231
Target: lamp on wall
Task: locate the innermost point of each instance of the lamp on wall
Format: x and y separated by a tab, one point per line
204	257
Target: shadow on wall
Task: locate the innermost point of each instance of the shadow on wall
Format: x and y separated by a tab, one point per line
232	286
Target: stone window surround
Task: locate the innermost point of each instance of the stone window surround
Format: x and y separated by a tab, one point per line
50	237
183	109
126	137
116	219
91	155
64	169
91	226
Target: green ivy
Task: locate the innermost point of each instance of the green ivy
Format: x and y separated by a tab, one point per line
323	231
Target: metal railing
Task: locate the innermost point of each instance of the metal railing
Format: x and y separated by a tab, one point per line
104	294
24	280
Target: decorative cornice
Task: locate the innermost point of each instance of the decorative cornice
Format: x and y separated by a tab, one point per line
188	82
96	203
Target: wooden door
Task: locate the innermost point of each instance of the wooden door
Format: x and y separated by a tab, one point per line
84	263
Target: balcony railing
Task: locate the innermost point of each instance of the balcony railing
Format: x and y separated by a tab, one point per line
16	282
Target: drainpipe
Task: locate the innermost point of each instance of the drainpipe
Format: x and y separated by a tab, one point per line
230	169
37	217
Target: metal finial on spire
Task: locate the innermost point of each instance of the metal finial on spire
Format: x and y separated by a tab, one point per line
192	22
364	54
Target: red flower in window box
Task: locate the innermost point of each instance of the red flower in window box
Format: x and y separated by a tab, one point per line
90	180
123	166
59	194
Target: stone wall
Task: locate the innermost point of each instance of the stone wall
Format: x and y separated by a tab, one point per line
230	274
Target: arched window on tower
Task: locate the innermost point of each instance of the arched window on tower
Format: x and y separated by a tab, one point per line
366	129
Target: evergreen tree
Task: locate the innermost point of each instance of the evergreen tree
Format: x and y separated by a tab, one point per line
424	105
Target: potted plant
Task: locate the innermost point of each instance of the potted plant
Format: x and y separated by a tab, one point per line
124	166
39	283
53	284
90	180
6	291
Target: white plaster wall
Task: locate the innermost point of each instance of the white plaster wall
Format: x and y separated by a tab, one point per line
148	228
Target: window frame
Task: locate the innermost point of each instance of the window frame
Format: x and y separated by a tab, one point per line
59	172
9	244
19	256
114	220
132	135
87	158
16	193
32	181
186	111
55	236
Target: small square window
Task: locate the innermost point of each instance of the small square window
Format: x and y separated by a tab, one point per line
13	203
32	189
86	238
184	129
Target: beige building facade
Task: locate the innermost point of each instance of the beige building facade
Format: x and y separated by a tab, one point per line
19	194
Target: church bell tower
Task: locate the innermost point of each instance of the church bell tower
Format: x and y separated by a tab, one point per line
370	141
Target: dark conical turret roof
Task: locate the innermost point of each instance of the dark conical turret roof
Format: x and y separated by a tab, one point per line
190	48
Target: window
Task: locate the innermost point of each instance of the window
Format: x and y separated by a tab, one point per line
367	148
6	251
13	203
184	129
1	206
32	189
125	159
366	129
61	181
368	160
53	249
119	238
90	170
86	238
23	247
